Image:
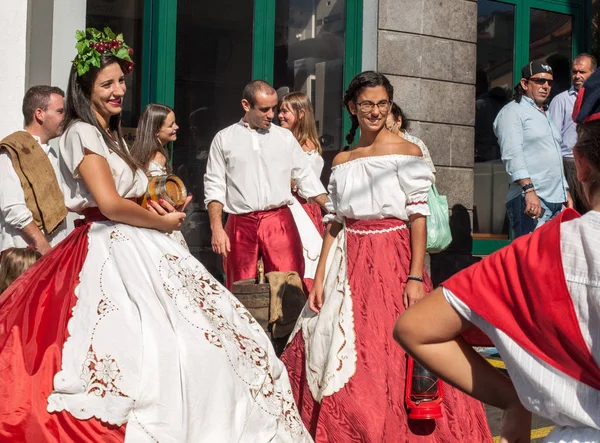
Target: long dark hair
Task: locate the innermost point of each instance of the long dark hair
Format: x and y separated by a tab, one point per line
146	143
397	112
79	107
519	93
366	79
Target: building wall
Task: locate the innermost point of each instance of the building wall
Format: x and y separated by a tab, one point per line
36	47
427	48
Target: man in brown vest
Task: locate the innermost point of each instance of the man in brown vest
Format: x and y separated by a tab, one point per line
32	210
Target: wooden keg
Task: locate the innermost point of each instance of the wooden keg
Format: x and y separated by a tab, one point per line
255	295
167	187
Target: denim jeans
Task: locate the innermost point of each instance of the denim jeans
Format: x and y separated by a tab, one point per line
521	223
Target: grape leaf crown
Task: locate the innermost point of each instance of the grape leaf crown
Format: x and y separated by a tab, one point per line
90	50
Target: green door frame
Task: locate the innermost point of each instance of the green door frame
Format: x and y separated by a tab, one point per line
159	49
579	9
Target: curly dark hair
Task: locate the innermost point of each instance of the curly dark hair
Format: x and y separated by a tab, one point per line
366	79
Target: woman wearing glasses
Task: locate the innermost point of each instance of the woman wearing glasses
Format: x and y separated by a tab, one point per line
347	374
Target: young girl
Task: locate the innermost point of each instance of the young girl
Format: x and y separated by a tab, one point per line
296	114
14	262
119	334
156	128
347	375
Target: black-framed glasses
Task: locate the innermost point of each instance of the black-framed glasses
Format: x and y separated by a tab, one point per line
368	105
541	81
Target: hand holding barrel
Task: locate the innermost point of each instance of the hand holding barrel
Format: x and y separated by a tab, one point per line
172	218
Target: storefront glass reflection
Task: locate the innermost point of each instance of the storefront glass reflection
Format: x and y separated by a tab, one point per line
309	57
123	16
213	64
495	66
551	40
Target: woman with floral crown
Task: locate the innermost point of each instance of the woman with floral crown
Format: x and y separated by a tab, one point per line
119	334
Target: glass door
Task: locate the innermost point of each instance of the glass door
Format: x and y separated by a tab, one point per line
510	33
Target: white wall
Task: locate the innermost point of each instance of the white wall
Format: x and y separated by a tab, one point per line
69	16
37	45
13	62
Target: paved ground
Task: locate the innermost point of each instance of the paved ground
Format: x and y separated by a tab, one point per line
540	426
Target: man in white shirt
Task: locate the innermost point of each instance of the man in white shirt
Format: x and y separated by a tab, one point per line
250	167
32	207
561	113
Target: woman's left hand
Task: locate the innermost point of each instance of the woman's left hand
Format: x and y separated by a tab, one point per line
164	207
413	292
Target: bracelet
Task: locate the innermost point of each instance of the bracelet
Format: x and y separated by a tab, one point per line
528	191
415	278
526	187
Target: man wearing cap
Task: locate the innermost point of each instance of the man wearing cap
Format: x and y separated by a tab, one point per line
530	145
561	113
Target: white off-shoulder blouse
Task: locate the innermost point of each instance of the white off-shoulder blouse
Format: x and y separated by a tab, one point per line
386	186
72	145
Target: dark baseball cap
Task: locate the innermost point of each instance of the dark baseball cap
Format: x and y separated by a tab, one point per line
533	68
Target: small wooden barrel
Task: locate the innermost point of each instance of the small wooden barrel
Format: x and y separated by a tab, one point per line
168	187
255	297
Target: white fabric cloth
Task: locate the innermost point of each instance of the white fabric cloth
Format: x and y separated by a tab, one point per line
329	337
386	186
310	236
155	169
78	138
573	406
250	170
157	343
14	214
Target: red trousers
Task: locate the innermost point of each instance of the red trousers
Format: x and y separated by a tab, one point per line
271	235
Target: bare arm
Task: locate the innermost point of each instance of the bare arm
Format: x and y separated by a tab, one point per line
321	200
36	238
315	298
414	291
220	240
96	174
428	331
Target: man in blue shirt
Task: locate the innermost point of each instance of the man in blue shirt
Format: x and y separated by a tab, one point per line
530	147
561	110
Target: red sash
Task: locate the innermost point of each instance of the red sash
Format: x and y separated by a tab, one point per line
521	290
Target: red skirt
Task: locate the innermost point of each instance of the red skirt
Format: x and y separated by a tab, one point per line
370	407
34	312
314	212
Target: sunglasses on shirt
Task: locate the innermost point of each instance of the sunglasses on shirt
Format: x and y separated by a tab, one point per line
540	81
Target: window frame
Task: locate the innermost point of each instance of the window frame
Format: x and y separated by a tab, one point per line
159	47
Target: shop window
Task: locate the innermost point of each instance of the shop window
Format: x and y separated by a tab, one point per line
213	64
551	40
495	82
124	16
309	57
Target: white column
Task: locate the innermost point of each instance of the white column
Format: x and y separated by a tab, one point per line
13	63
69	16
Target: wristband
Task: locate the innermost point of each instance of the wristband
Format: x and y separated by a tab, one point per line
415	278
527	186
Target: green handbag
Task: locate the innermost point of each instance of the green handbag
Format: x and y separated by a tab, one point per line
439	236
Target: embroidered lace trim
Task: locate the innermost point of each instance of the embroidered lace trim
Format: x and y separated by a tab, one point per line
377	231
